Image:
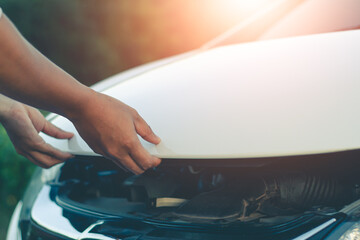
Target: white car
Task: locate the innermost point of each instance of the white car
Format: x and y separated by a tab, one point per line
260	134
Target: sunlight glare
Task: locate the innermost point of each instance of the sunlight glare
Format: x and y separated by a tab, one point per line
243	5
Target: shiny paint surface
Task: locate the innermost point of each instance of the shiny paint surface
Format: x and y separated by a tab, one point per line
52	219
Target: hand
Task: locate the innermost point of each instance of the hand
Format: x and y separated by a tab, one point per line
110	128
23	123
107	125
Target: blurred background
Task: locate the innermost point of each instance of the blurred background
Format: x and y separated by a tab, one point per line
94	39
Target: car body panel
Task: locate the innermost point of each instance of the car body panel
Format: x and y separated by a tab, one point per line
293	96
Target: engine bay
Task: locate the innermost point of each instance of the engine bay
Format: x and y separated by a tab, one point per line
278	193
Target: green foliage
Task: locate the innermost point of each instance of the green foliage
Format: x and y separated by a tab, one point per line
14	174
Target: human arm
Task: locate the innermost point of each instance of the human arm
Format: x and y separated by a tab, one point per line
109	126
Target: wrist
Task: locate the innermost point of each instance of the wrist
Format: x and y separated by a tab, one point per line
79	104
7	107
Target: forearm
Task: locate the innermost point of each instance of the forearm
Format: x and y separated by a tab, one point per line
108	126
26	75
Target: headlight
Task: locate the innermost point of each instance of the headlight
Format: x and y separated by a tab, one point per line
39	178
349	229
353	233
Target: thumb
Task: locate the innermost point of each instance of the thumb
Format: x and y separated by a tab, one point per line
144	130
56	132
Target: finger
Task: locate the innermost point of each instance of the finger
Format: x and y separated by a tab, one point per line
127	162
144	130
143	158
41	159
53	152
45	159
35	161
122	167
119	164
56	132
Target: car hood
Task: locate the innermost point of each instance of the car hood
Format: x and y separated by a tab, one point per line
282	97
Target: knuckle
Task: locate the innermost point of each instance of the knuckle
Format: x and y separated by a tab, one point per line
136	115
147	132
111	152
129	143
116	157
134	169
36	145
17	112
133	111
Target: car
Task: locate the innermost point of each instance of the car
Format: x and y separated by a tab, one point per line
260	137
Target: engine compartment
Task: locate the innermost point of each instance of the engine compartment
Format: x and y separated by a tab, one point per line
277	193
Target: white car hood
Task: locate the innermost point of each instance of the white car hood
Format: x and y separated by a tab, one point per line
281	97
